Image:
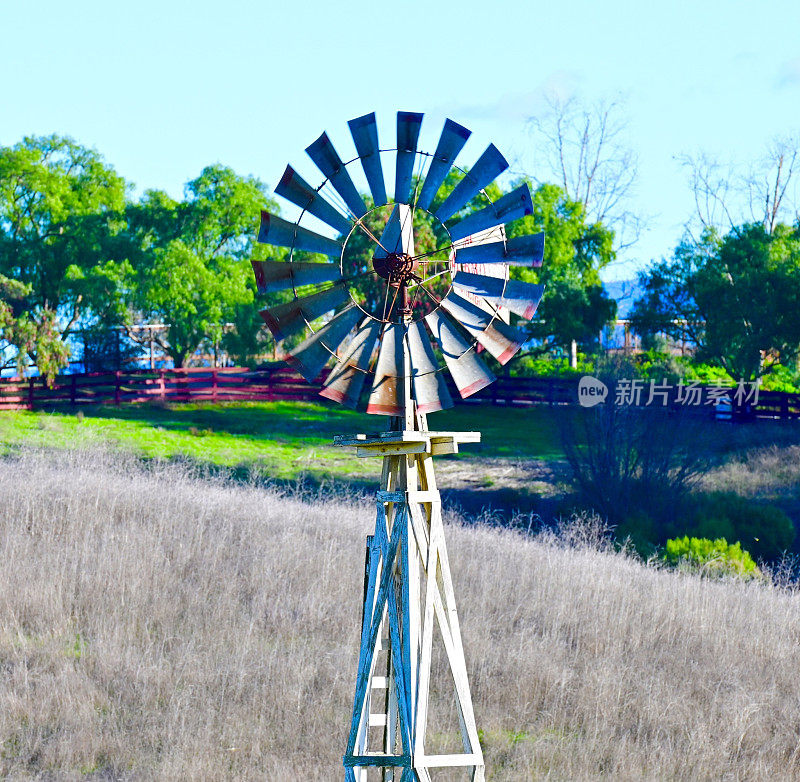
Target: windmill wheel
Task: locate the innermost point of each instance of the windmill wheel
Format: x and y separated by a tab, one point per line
400	271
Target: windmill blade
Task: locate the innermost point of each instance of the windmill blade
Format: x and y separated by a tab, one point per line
398	234
488	166
364	131
291	317
510	207
386	396
274	276
500	339
522	298
281	233
327	160
408	126
295	189
313	353
430	390
469	372
346	379
520	251
451	142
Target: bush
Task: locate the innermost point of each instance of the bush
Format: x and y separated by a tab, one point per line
710	557
636	467
766	530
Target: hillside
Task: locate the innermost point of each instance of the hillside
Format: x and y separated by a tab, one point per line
158	624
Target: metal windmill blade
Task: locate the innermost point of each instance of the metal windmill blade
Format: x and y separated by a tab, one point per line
346	379
487	168
510	207
281	233
274	276
451	142
525	250
430	390
364	131
408	126
295	189
500	339
521	298
387	394
327	160
293	316
311	355
469	372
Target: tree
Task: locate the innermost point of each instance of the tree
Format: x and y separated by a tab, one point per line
765	191
190	259
25	336
61	211
583	150
736	297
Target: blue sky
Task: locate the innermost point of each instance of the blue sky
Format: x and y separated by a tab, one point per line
162	89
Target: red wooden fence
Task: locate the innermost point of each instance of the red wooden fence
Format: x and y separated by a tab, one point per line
281	383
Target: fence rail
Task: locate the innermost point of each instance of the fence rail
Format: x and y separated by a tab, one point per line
281	383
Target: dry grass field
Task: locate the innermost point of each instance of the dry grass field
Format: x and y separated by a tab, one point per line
156	624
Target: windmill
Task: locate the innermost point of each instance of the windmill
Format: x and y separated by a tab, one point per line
406	289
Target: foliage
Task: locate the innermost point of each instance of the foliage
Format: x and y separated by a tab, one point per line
60	214
575	306
766	530
530	365
189	259
736	297
28	336
710	557
61	209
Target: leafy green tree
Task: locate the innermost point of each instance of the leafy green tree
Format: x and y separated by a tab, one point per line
737	297
191	260
25	336
61	211
60	207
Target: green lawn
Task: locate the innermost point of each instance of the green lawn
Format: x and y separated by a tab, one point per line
284	440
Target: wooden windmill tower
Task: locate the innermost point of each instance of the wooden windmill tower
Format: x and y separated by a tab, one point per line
401	269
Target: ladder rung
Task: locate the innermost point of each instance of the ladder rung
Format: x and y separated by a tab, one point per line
379	683
377	720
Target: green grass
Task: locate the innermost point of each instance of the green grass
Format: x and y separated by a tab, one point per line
284	440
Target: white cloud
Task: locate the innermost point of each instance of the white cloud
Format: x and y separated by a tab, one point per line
789	73
519	106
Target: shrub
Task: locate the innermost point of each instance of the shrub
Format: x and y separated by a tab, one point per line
635	465
766	530
710	557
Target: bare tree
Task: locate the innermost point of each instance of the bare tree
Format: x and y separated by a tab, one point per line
585	150
711	183
727	195
771	185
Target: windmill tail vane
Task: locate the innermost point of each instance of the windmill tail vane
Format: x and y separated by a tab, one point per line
409	290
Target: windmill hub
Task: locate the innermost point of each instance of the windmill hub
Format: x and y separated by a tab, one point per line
395	267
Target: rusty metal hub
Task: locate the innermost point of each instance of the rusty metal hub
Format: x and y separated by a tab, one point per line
395	267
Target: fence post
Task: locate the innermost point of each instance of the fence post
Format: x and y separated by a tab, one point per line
30	393
117	387
73	391
162	391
